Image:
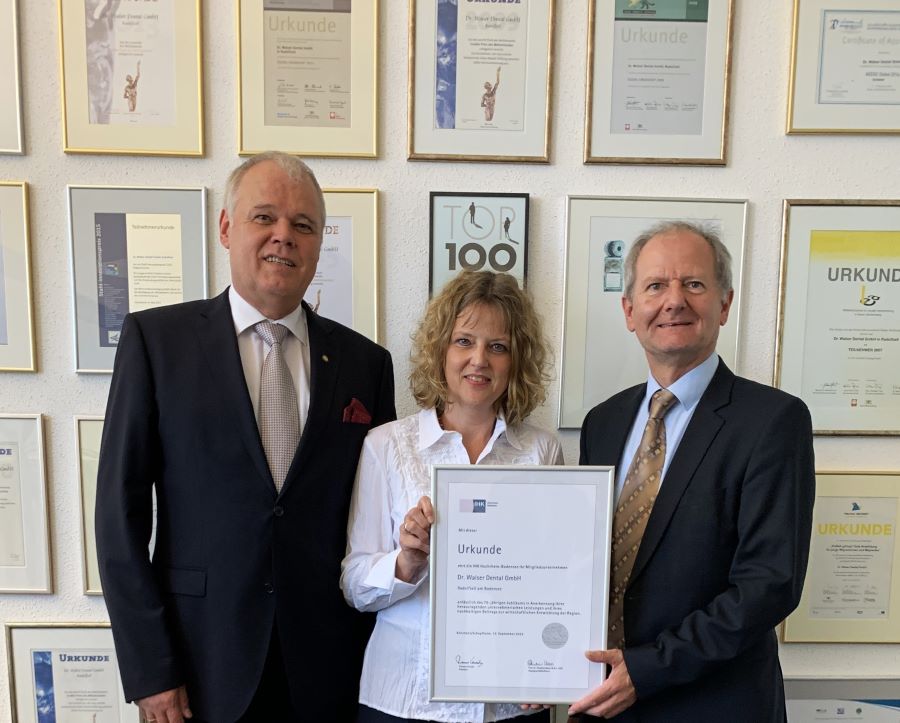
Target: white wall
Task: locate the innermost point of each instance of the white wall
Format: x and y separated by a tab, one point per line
764	166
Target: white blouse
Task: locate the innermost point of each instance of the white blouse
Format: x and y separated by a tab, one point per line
394	472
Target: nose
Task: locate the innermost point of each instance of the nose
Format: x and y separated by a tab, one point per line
283	232
674	299
479	355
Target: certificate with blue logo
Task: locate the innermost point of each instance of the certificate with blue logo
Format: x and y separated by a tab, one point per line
519	581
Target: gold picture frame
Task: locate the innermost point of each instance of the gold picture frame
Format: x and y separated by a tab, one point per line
299	102
111	105
17	344
11	135
88	432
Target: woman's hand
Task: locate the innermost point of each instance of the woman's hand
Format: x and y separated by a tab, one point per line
415	541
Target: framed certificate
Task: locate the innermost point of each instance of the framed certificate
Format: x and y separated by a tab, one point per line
10	84
599	357
133	248
477	232
131	75
658	76
869	700
24	531
845	67
308	77
515	599
65	672
16	325
852	589
345	287
480	80
88	432
838	347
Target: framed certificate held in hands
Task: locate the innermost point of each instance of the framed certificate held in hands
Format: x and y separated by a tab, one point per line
519	581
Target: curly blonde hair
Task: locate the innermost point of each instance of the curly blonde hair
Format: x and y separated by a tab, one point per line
529	354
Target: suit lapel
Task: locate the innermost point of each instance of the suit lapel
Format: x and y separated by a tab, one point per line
699	435
216	336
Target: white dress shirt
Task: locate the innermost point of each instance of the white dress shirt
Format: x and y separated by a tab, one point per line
687	389
394	472
294	349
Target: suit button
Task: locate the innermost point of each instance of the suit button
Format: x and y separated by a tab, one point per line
269	587
278	511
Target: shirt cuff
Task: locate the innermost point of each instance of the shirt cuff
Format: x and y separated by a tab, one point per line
381	576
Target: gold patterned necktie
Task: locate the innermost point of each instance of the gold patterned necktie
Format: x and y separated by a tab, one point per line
279	418
633	510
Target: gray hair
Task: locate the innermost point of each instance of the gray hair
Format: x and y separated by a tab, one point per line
295	169
722	256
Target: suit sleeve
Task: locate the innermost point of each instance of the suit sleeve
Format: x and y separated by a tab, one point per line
385	411
769	563
128	467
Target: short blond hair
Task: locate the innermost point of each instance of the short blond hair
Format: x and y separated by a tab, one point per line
295	169
529	354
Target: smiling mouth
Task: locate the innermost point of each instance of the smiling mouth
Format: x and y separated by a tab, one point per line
477	378
670	324
279	260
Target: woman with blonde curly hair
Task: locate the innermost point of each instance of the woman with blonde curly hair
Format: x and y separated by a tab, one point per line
479	369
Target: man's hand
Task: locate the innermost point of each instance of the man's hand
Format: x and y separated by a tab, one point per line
615	694
170	706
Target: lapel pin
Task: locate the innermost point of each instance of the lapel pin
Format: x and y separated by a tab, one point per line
325	358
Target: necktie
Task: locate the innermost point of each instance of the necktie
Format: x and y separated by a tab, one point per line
635	503
279	420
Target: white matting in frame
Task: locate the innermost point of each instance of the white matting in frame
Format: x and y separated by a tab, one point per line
10	84
658	77
480	80
65	672
345	287
600	356
16	324
24	531
838	338
132	248
845	67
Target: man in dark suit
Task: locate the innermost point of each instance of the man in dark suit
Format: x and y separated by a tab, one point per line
239	615
695	598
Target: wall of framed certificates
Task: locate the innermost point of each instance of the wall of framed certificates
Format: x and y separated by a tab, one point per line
773	128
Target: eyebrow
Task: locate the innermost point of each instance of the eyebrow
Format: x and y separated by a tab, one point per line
271	207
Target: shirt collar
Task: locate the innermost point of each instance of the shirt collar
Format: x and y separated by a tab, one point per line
245	316
430	430
689	387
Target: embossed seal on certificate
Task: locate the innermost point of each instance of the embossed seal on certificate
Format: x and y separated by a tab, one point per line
555	635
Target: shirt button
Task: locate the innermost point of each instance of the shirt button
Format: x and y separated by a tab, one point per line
269	587
278	511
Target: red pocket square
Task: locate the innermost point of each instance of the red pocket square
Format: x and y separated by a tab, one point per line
357	413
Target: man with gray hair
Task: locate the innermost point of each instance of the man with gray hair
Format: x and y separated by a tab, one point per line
714	492
245	414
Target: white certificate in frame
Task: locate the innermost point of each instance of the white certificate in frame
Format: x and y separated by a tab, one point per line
516	599
11	140
133	248
345	287
838	346
16	325
852	588
862	700
658	77
65	672
845	67
88	433
599	357
480	80
308	77
24	529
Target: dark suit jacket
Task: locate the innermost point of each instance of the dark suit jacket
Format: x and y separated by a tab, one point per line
231	557
724	554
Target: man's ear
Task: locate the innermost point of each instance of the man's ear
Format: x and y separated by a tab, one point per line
628	308
726	307
224	226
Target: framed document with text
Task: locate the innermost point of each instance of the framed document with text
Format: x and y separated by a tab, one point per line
16	324
862	700
10	84
845	67
308	77
133	248
658	77
88	432
24	530
838	343
599	357
480	80
518	596
132	77
477	232
852	588
65	672
345	287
